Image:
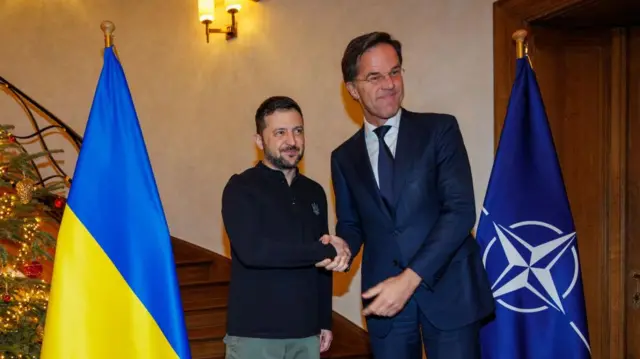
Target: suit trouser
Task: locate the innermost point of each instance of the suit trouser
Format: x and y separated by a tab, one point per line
256	348
410	329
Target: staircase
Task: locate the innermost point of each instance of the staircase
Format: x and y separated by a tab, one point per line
204	286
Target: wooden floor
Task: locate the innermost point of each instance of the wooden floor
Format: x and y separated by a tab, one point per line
204	286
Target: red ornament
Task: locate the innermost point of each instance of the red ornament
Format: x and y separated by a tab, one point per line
6	298
59	202
33	269
12	138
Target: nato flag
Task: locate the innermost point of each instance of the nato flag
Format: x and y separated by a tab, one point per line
529	242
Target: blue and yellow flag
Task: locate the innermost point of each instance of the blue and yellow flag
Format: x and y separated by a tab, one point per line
114	292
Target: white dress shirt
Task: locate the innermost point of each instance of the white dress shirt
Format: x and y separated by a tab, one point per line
391	139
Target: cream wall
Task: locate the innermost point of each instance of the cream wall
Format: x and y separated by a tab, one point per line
196	101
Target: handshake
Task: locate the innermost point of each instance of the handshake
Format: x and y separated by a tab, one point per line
341	262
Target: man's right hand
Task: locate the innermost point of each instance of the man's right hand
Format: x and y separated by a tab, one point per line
341	262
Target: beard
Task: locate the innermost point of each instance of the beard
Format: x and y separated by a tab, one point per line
279	161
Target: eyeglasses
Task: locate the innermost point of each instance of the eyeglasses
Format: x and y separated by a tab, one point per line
377	78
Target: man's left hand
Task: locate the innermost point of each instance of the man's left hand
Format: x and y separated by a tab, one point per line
326	337
392	294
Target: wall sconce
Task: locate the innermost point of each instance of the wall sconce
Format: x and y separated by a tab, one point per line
207	9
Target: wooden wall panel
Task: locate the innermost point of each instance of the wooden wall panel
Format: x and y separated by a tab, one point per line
633	197
613	336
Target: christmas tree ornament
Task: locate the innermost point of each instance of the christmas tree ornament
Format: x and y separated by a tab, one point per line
6	298
6	137
40	331
59	202
33	269
24	188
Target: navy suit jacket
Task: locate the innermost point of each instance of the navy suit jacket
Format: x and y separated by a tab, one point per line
428	229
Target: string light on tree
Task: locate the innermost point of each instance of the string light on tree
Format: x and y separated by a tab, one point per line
26	205
29	231
7	205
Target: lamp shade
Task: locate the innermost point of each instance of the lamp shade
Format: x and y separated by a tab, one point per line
232	5
206	10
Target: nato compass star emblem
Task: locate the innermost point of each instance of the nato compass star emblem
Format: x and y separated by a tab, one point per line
530	268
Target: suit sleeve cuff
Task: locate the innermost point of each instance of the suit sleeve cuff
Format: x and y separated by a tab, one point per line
426	281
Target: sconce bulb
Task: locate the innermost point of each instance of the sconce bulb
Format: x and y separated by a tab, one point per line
232	6
206	10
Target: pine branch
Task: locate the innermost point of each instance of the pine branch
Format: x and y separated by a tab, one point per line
24	302
4	256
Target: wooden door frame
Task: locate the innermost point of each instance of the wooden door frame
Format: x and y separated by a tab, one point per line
509	16
512	15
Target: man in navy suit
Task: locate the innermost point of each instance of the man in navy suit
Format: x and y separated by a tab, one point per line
404	189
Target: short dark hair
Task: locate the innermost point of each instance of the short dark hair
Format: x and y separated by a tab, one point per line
271	105
358	46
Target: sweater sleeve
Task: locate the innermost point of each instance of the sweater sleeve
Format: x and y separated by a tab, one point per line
241	221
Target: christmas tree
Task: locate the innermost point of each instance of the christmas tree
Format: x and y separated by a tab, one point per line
29	214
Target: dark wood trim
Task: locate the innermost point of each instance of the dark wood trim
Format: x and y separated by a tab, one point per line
528	10
191	251
504	63
509	16
614	338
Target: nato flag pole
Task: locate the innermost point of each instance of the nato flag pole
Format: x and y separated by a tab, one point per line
528	238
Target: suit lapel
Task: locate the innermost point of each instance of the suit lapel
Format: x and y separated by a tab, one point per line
405	153
362	166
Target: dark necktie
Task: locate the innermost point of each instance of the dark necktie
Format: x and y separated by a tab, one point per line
385	166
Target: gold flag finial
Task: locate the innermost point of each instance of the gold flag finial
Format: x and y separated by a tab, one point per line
108	28
519	36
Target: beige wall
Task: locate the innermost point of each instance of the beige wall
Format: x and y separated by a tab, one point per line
196	100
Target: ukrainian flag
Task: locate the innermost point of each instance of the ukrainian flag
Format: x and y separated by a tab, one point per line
114	290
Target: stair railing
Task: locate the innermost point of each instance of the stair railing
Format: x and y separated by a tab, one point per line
29	105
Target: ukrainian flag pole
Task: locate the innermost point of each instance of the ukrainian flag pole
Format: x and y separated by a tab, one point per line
108	28
114	290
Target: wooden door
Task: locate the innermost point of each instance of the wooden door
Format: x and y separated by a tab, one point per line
574	70
590	80
632	305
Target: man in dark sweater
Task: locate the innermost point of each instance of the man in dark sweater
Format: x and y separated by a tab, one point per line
282	254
